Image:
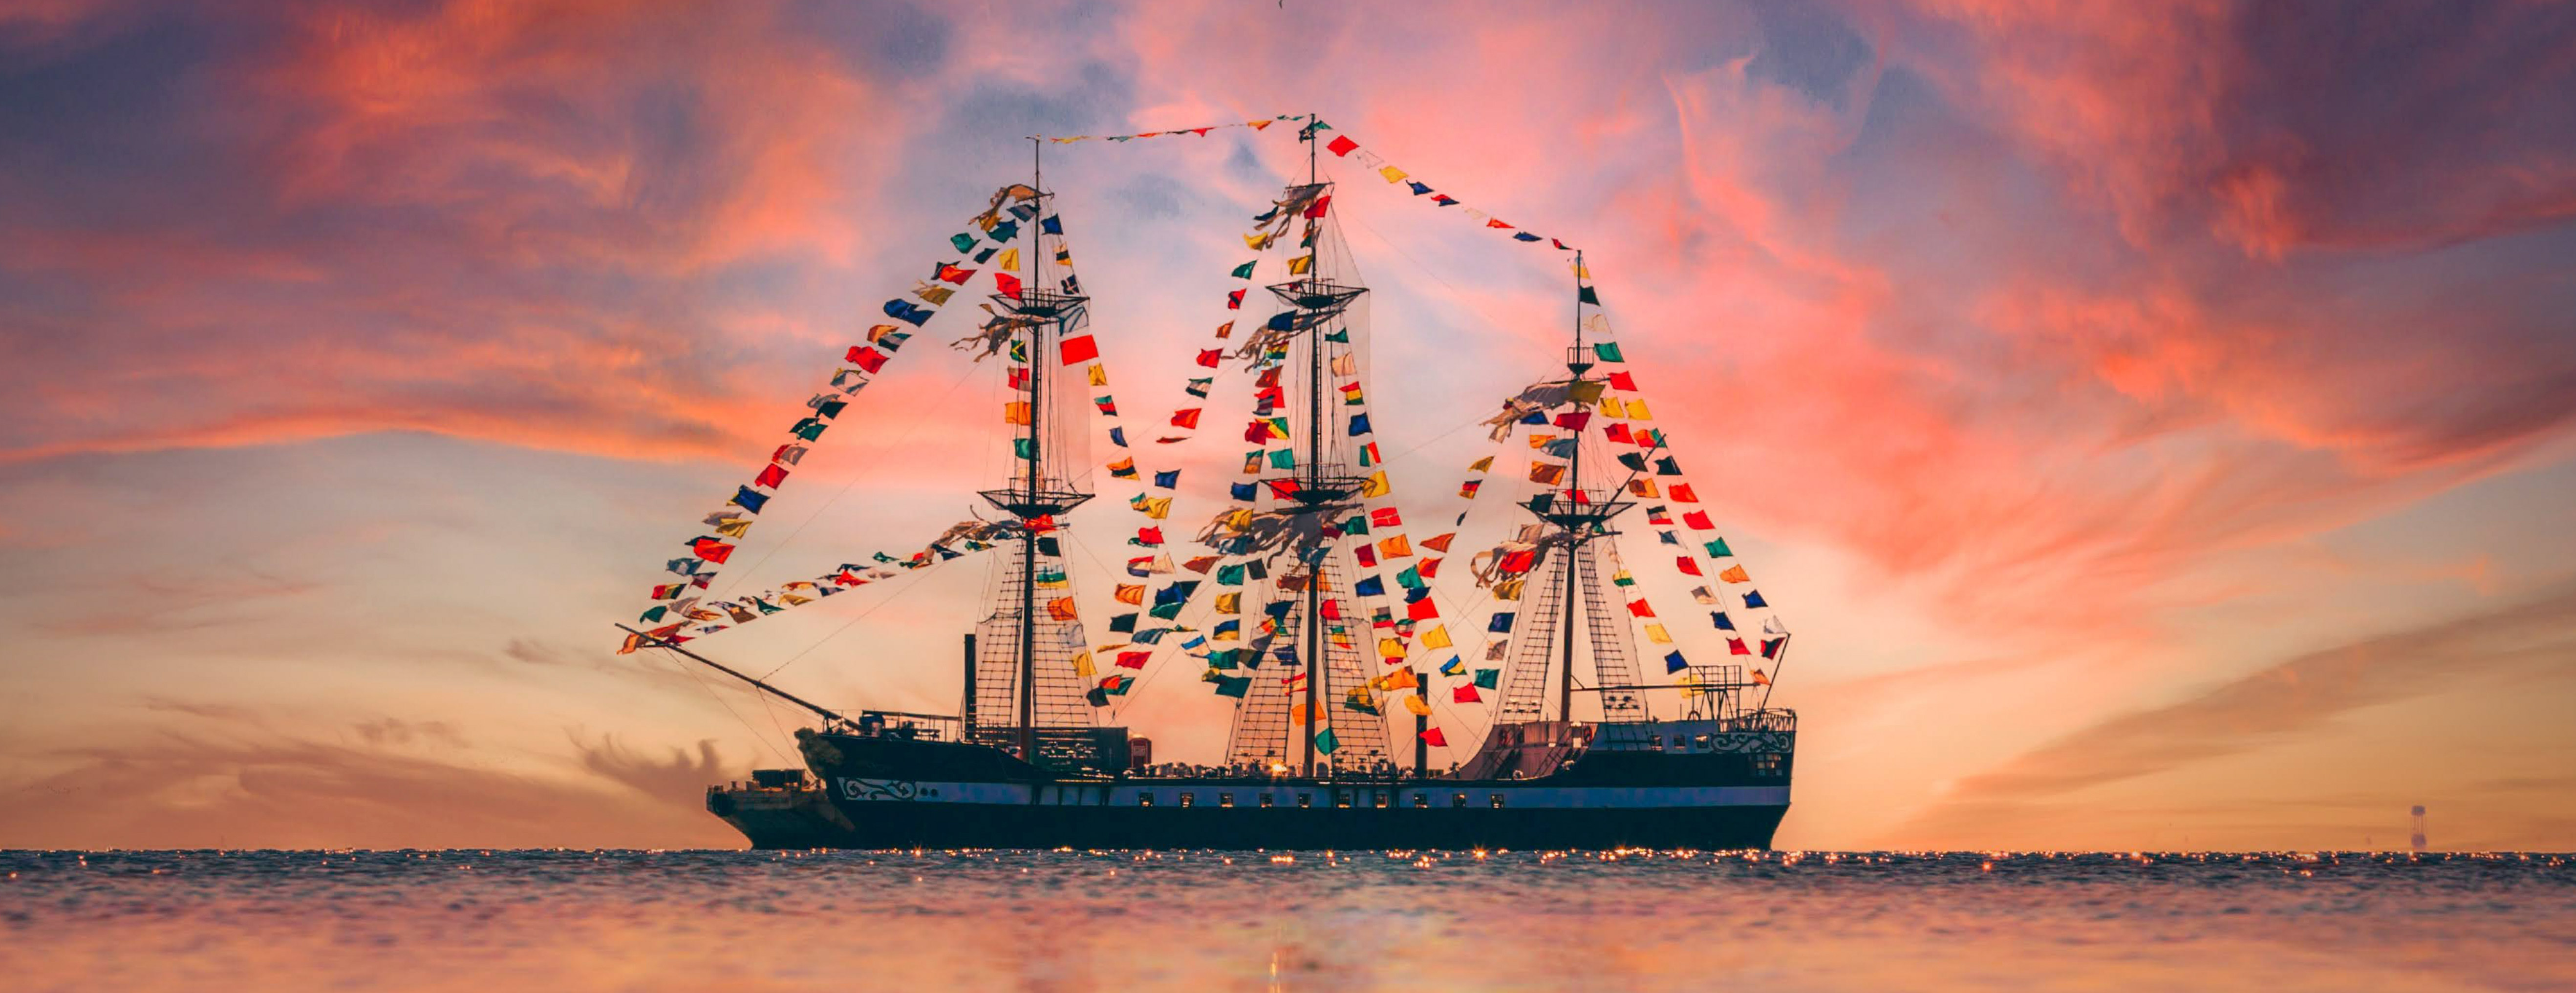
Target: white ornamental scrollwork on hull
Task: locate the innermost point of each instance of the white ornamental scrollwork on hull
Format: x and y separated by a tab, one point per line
1752	742
880	789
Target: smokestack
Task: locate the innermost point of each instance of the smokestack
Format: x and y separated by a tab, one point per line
966	710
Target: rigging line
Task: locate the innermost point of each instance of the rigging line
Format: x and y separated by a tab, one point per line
728	708
907	434
899	591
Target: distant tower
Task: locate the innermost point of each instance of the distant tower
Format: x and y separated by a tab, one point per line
2416	837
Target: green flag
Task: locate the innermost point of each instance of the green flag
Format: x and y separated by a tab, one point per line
1718	548
1587	296
1243	271
1325	742
1608	351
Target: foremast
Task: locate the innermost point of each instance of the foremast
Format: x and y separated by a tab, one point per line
1037	497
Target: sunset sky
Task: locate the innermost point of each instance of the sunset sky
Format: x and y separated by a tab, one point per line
2160	426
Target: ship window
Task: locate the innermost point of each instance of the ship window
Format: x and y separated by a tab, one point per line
1267	799
1305	799
1341	798
1421	800
1457	799
1144	798
1188	799
1381	799
1767	764
1496	799
1225	799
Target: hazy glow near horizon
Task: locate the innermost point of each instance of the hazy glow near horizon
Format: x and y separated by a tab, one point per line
2156	423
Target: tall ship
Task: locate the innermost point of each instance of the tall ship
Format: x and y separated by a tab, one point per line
1530	697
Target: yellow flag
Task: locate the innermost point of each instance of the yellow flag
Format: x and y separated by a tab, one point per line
1418	705
1008	261
1060	608
1082	665
1099	376
733	527
936	295
1582	271
1128	593
1482	464
791	599
1400	679
1540	440
1588	391
1735	574
1438	638
1392	174
1297	266
1509	589
1229	603
1610	407
1015	412
1257	241
1390	648
1637	411
1394	547
1158	508
1642	487
1377	485
1656	634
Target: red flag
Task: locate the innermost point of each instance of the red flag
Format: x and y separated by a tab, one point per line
1421	610
1133	660
1186	418
1386	517
1465	693
954	274
1234	300
1735	646
865	358
1210	357
1008	284
1428	568
1623	382
1688	565
770	477
711	550
1079	348
1433	738
1342	145
1641	608
1149	537
1698	521
1439	543
1318	209
1681	493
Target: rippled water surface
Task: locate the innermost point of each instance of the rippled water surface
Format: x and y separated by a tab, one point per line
723	922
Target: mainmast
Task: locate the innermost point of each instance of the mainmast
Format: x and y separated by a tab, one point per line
1316	670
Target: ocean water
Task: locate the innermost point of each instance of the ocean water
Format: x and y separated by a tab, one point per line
491	921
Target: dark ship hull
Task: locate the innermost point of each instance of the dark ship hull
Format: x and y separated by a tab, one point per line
882	792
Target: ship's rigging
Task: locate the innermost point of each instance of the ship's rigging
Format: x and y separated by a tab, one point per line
1304	555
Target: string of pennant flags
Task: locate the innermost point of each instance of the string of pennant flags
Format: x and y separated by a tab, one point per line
1346	147
684	608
